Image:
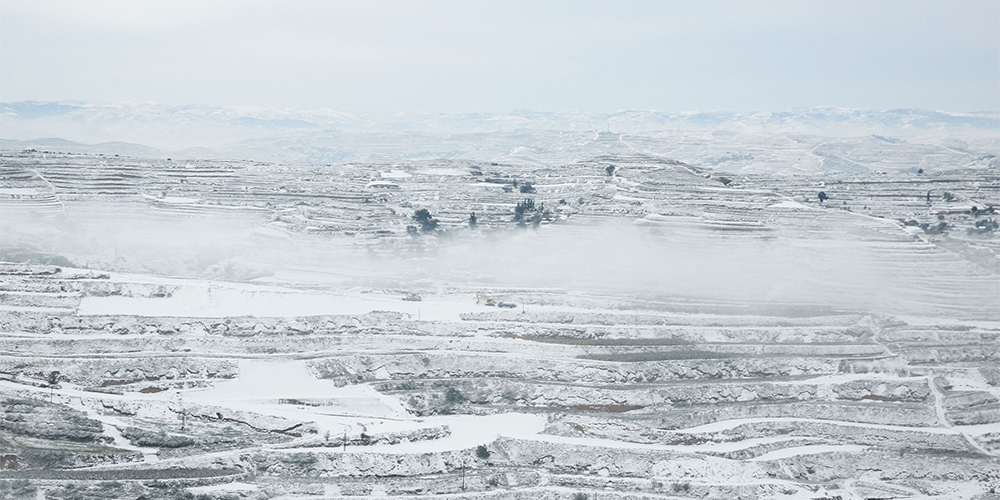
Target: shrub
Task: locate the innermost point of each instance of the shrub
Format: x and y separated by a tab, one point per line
452	396
987	225
482	452
155	438
523	207
527	188
427	222
822	196
938	228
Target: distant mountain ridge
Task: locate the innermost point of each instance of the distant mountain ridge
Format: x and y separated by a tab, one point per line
177	127
64	146
818	139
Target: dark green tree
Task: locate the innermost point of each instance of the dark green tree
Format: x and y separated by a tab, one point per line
427	222
522	208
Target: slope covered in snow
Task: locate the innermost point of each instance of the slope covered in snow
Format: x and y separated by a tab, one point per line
625	325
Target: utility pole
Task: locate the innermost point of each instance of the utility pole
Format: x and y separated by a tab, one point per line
345	439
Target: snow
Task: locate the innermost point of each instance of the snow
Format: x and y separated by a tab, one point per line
214	300
792	204
451	172
235	486
270	232
722	447
23	191
47	310
723	425
395	174
177	200
856	258
467	431
353	409
262	382
808	450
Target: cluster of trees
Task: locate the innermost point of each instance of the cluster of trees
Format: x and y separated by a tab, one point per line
982	225
523	187
975	212
986	225
428	224
527	212
523	207
938	228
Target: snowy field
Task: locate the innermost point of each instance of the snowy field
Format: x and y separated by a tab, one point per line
236	329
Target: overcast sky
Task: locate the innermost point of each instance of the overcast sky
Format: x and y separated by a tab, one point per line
502	56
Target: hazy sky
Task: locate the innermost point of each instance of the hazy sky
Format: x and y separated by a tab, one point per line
501	56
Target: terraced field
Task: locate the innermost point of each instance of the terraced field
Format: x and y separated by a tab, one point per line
230	329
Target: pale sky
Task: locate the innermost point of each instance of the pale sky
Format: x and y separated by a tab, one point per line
502	56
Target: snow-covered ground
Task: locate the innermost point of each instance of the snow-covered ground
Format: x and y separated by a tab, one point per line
678	330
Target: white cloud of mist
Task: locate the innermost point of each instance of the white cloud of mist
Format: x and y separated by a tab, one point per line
681	261
673	262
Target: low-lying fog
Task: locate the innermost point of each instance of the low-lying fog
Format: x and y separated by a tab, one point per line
652	259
